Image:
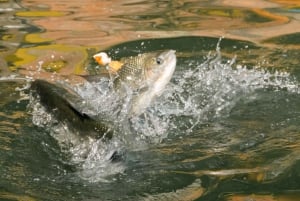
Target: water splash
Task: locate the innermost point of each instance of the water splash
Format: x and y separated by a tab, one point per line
209	90
202	92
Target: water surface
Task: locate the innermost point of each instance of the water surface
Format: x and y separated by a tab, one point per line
226	128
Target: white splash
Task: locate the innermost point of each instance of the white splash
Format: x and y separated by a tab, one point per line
200	92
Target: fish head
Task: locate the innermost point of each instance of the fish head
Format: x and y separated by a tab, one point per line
158	70
147	75
147	69
159	66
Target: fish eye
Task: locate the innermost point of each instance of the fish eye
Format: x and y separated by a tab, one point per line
159	60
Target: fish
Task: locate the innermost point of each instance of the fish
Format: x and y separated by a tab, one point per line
146	75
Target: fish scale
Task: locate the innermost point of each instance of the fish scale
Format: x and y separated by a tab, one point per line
133	71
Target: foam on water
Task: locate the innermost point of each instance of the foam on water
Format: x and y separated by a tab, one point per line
201	92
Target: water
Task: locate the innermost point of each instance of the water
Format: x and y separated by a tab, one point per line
226	127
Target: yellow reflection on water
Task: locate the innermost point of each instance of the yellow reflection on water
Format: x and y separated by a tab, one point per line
71	59
36	38
39	14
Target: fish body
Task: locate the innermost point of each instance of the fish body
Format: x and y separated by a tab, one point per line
66	106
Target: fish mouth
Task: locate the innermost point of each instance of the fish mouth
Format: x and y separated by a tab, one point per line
169	54
170	57
172	52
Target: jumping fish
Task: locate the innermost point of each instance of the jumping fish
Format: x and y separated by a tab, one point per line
146	75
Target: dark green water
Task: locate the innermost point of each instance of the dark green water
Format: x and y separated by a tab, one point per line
224	127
